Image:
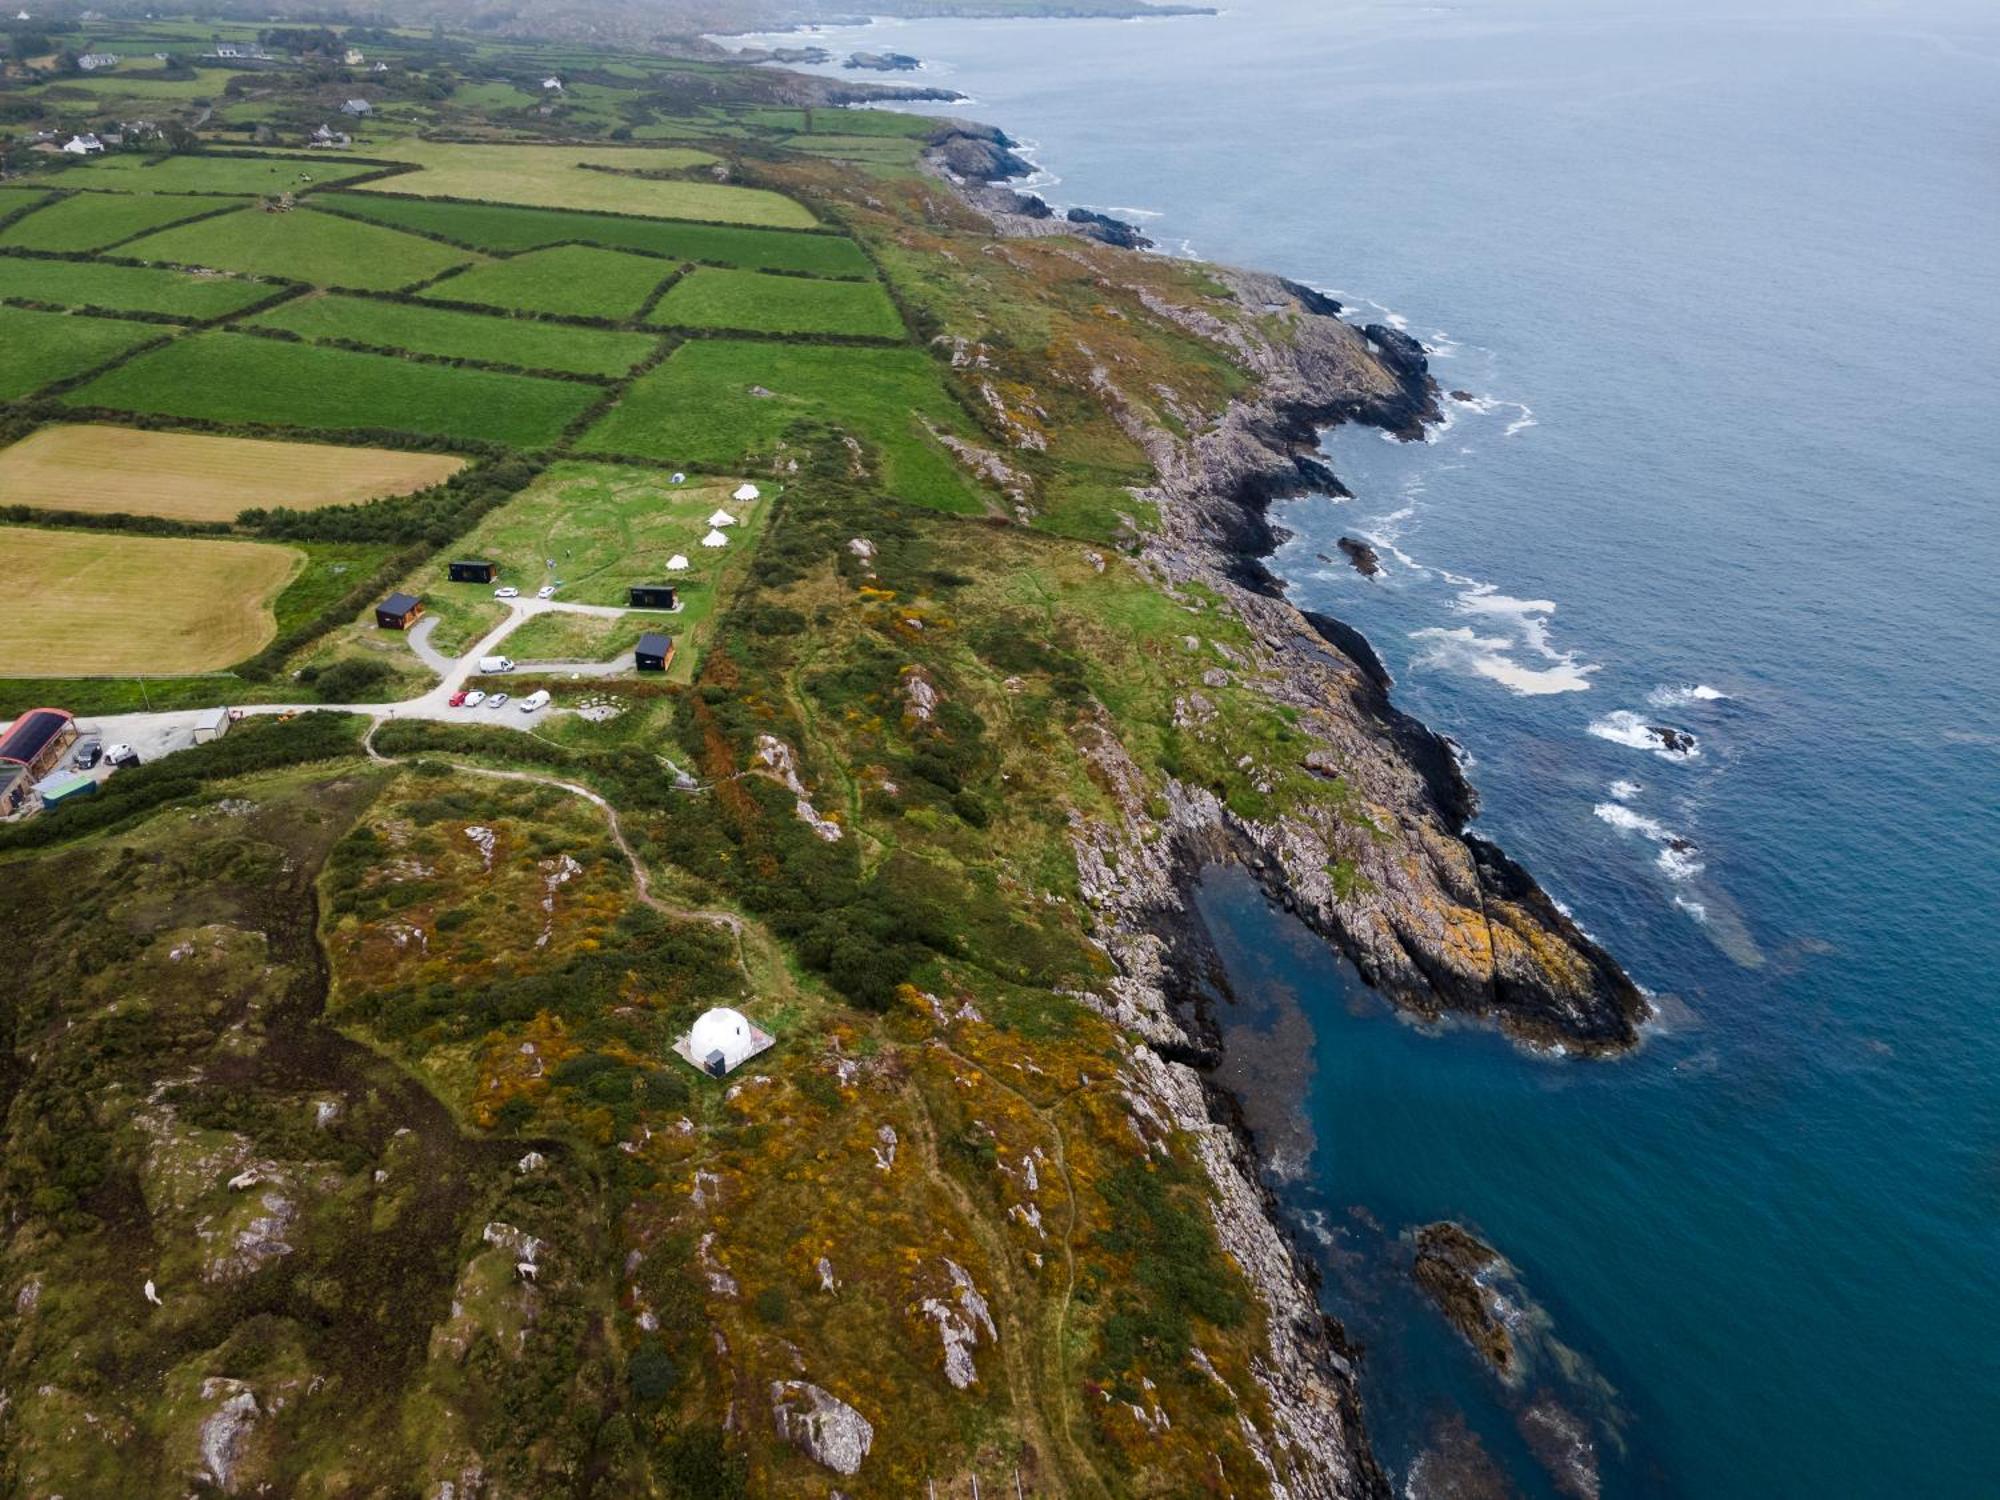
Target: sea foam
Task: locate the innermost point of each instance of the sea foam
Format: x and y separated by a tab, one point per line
1679	695
1624	727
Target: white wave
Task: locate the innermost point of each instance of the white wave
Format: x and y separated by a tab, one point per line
1624	727
1527	624
1679	864
1694	909
1523	422
1618	815
1464	650
1684	693
1625	791
1677	857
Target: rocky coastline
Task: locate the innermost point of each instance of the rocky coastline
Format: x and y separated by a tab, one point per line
1436	919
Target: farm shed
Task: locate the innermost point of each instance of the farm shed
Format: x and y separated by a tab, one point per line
655	652
38	739
653	596
398	611
473	572
212	725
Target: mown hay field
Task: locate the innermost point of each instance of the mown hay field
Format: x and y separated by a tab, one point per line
700	407
78	283
192	477
574	281
572	177
498	226
132	604
39	347
754	302
91	221
146	173
236	377
521	342
301	245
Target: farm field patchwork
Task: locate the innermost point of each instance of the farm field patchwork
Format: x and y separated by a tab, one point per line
144	173
74	283
91	221
558	177
38	347
699	407
323	249
192	477
236	377
499	226
131	604
571	280
759	303
521	342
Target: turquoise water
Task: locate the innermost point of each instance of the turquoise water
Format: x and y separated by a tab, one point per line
1727	289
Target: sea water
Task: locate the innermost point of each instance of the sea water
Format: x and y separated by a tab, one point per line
1722	286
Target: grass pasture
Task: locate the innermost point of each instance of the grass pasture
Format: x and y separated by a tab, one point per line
132	604
39	347
91	221
698	408
239	175
577	281
191	477
501	227
324	249
570	177
754	302
179	294
521	342
234	377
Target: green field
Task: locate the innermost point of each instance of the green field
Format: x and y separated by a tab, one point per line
38	347
461	335
14	199
147	173
74	283
323	249
757	303
555	177
234	377
698	408
496	226
90	221
573	280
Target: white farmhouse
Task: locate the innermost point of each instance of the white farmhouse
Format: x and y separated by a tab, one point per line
83	145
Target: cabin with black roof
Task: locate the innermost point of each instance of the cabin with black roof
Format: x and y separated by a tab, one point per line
36	741
399	611
653	596
655	651
473	572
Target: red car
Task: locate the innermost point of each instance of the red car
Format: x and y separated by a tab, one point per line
458	699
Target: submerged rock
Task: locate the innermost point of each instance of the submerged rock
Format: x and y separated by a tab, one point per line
1449	1265
1363	556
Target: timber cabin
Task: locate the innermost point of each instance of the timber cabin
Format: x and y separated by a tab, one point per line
473	572
653	596
398	612
654	653
38	738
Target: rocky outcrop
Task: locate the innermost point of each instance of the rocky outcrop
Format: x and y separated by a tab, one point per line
821	1425
1364	557
1450	1265
1107	230
975	153
883	62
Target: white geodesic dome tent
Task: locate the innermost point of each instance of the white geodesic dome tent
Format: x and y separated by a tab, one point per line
721	1039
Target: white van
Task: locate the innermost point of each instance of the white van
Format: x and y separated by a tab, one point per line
535	702
496	664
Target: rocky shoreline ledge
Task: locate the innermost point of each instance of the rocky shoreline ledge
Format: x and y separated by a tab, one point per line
1436	919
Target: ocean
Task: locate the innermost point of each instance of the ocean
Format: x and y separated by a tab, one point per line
1722	286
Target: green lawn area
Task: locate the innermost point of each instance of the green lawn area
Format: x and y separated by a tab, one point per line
148	173
758	303
576	281
499	226
38	347
608	527
73	283
234	377
698	408
14	198
323	249
90	221
461	335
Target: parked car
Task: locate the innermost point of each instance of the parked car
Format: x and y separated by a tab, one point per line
498	700
122	755
457	699
546	591
473	698
536	701
88	755
507	591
